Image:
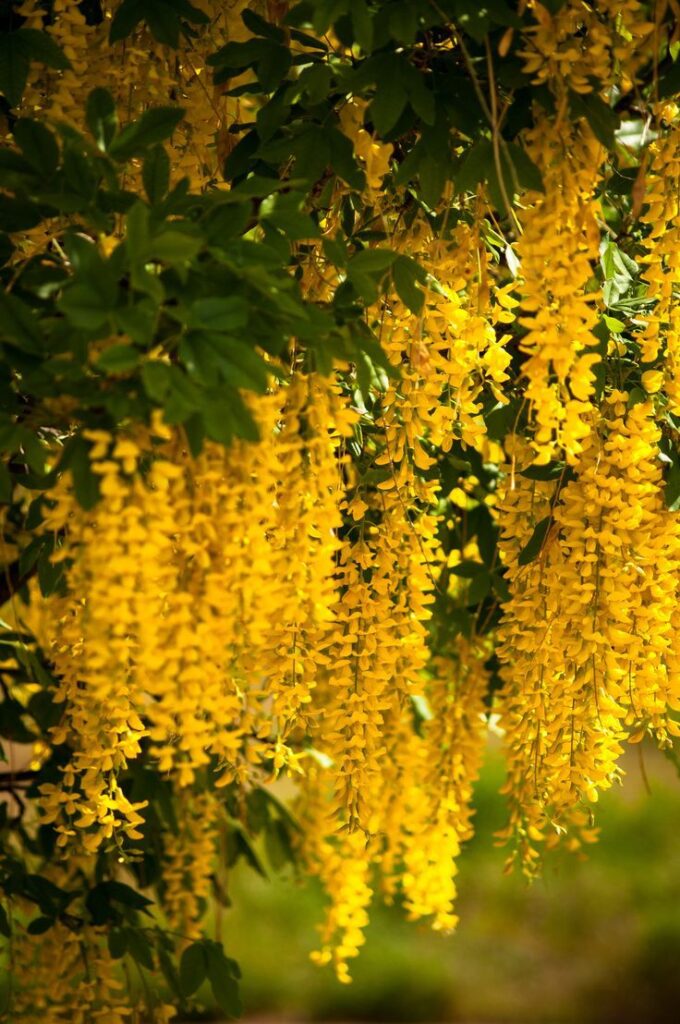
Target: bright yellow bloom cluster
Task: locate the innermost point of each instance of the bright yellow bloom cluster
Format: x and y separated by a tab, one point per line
305	542
199	558
374	156
419	798
466	340
189	864
589	640
390	797
557	251
604	40
662	264
435	810
83	988
344	867
140	72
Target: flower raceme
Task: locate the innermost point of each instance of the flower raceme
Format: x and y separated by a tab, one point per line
322	604
589	642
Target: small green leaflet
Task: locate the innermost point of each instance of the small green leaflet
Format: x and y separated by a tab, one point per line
534	546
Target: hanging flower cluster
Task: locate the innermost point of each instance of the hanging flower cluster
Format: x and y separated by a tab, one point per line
589	639
323	603
556	251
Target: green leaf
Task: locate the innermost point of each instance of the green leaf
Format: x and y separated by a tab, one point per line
259	27
551	471
85	481
467	569
193	968
371	261
422	711
40	46
239	364
365	271
285	213
19	214
534	545
19	324
617	269
223	973
139	948
257	811
50	578
4	923
12	725
403	21
669	82
117	942
154	126
420	96
217	314
170	972
613	324
238	845
13	168
183	398
362	24
6	248
278	845
602	119
405	274
14	67
501	587
138	321
272	67
672	488
229	417
473	18
432	177
528	174
388	102
122	893
256	187
119	359
479	588
37	144
84	306
174	246
316	82
6	485
156	379
474	166
17	50
101	117
225	990
163	18
45	711
125	20
237	56
39	925
137	231
156	174
343	159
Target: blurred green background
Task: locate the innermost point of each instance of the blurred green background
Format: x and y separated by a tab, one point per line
595	940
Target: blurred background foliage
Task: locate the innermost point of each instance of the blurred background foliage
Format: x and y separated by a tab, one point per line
593	941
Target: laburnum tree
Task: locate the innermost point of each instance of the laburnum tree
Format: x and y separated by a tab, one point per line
340	407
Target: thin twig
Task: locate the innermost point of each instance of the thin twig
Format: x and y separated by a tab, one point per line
497	139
